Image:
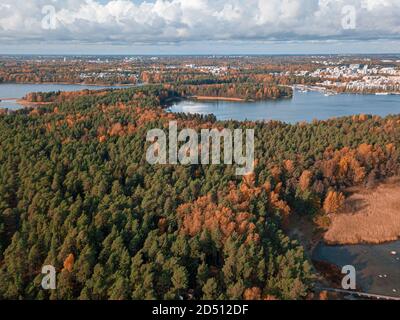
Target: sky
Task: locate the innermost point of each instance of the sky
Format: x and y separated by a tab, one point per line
199	26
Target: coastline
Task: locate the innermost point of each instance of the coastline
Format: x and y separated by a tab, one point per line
27	104
335	91
363	242
211	98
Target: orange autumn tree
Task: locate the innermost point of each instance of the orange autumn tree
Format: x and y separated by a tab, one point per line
305	179
205	214
347	166
350	167
289	166
252	294
333	202
344	166
69	263
231	212
248	191
277	204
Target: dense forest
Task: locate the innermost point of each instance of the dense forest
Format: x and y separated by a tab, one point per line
77	193
55	96
245	91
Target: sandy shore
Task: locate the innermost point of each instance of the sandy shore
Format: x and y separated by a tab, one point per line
25	103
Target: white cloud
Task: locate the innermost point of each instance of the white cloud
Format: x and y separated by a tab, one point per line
123	21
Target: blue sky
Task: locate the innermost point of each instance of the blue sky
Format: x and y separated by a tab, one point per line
199	26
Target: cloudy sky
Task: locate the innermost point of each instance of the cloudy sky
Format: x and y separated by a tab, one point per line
199	26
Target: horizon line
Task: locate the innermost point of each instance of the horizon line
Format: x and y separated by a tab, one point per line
198	54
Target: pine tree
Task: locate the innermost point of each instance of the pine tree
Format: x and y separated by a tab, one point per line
180	279
119	290
210	290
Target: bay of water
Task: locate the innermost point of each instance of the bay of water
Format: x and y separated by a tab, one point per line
17	91
303	107
377	270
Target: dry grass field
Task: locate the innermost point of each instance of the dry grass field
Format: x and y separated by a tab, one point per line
369	216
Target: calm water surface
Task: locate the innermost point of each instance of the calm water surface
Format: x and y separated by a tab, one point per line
303	107
378	271
17	91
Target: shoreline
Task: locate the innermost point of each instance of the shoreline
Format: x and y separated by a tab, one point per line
226	99
360	243
335	91
211	98
26	104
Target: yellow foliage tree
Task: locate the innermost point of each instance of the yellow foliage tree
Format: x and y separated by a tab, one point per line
305	179
333	202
